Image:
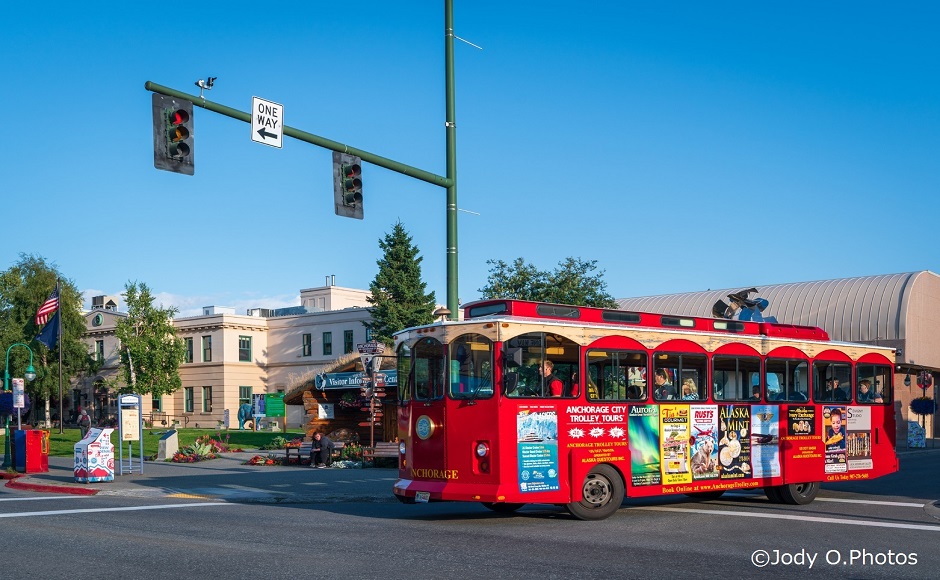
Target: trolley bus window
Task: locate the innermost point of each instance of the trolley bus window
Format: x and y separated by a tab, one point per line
616	375
832	381
471	366
873	386
428	360
523	355
405	380
786	380
735	378
679	376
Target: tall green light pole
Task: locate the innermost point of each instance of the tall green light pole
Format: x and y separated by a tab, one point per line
29	376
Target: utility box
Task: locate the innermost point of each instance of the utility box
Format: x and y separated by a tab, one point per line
31	451
94	457
169	444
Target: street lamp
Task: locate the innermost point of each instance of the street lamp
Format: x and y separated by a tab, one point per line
30	375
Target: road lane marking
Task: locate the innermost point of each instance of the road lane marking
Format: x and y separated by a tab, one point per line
871	502
119	509
842	500
870	523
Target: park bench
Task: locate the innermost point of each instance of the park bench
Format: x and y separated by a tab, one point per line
303	452
381	449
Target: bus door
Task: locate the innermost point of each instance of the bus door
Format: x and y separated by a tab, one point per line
472	410
425	440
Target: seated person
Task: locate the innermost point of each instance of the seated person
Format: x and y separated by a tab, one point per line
634	392
755	393
551	385
689	392
838	394
662	390
866	395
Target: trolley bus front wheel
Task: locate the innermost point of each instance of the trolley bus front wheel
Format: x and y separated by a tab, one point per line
602	493
798	493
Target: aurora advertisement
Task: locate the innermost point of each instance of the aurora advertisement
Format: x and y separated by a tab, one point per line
643	434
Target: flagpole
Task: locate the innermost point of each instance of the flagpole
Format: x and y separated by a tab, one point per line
61	409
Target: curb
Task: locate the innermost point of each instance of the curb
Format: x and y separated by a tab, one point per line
46	488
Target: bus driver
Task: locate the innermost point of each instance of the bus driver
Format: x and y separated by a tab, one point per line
551	385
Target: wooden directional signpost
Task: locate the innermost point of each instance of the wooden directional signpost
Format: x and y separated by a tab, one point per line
370	386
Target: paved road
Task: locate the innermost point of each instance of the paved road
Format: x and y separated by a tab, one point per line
222	520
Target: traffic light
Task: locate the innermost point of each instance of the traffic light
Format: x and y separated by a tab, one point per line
347	185
173	134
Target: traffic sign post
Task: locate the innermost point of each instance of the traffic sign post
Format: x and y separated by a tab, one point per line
267	122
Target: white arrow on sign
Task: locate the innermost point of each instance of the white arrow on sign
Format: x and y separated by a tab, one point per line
267	122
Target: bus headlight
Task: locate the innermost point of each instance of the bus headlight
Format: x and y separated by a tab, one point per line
482	449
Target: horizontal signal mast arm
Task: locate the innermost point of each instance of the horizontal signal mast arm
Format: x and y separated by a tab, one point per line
408	170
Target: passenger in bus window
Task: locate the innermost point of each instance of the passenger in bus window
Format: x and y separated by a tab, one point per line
689	392
866	395
662	390
755	393
838	394
551	385
575	386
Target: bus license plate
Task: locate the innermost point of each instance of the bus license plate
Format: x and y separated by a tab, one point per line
422	497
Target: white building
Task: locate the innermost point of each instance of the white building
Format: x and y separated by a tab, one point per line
229	356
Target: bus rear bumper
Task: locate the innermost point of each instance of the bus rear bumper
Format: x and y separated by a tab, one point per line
412	491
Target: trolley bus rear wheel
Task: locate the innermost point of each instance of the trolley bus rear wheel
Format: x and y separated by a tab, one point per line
773	493
602	493
798	493
502	508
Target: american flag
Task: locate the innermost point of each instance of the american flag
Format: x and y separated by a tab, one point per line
48	307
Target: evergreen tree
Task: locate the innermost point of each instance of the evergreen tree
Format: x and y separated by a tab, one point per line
151	352
23	288
572	282
398	298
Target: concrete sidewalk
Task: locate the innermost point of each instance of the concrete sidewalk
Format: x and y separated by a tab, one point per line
223	478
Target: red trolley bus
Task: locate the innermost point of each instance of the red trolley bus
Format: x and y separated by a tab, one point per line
524	402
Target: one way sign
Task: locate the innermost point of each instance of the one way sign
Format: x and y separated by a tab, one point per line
267	122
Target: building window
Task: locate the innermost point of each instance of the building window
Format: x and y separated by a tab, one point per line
189	350
99	350
206	349
306	345
187	399
327	343
347	341
156	404
368	334
244	348
244	395
207	399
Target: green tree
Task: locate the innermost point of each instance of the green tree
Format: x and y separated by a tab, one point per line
398	295
151	352
572	282
23	289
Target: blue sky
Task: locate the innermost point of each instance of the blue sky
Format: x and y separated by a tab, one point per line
682	145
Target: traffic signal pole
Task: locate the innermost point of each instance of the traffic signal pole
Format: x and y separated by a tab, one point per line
451	136
306	137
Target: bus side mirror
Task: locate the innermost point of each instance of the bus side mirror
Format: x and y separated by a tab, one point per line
510	381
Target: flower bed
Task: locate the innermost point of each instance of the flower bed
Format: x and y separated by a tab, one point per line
263	460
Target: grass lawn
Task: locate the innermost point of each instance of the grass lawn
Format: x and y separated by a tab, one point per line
64	444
